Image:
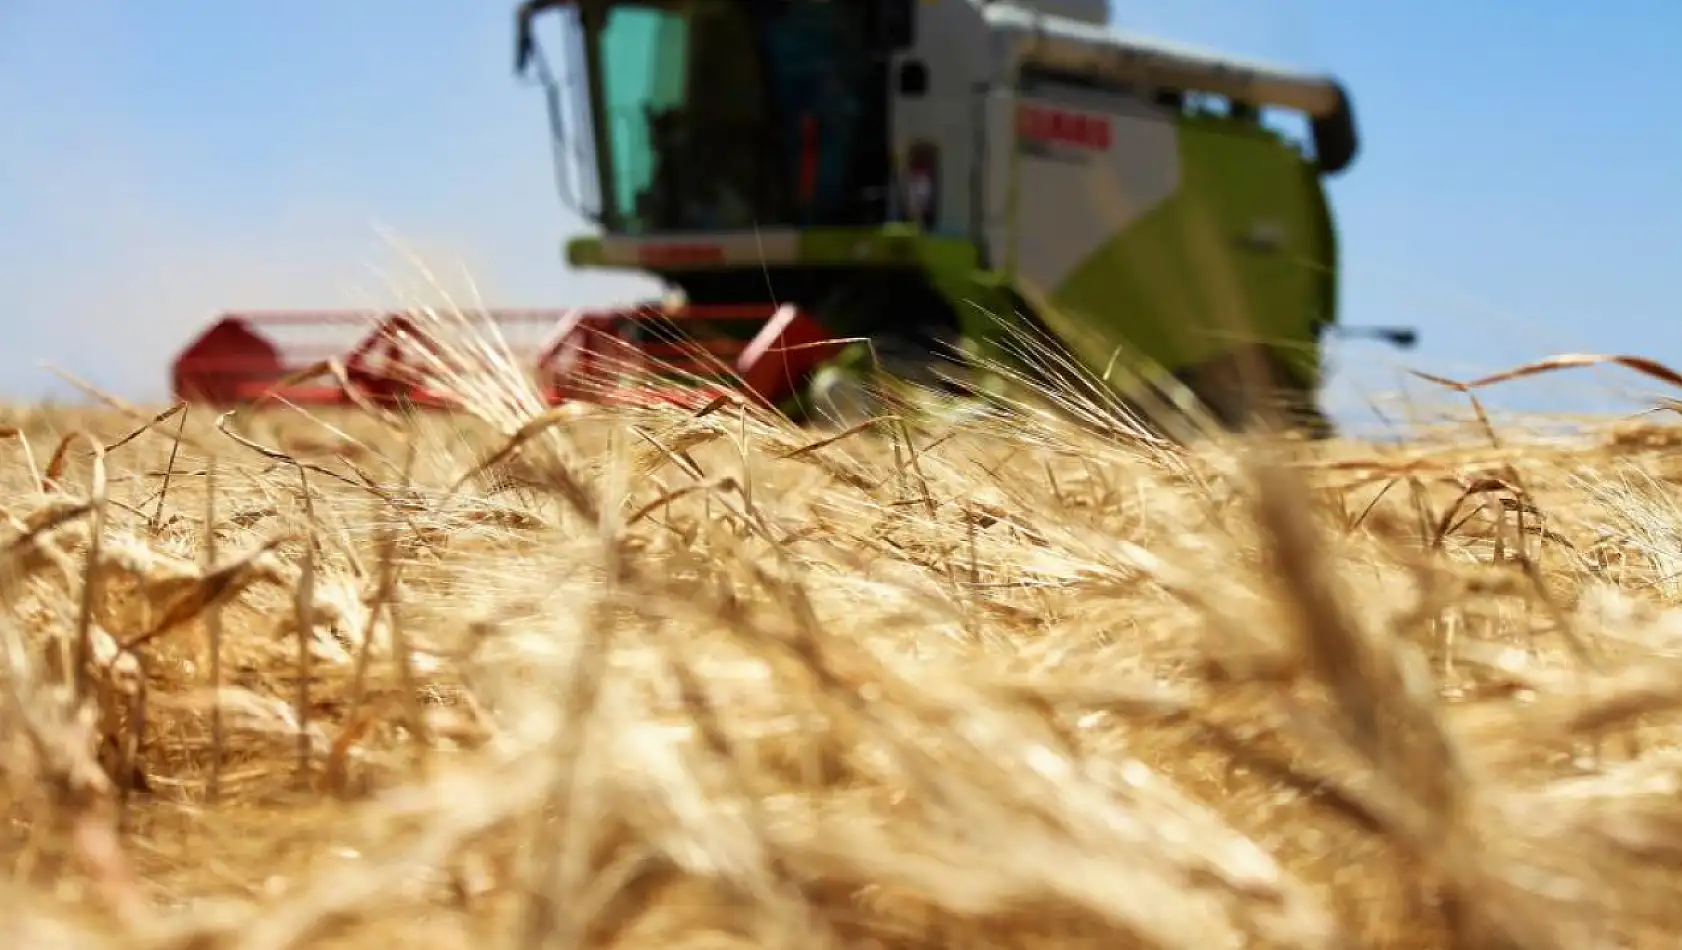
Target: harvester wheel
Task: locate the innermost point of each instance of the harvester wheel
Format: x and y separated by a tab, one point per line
1224	386
910	341
839	396
868	377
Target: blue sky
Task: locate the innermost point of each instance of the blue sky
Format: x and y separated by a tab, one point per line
1516	195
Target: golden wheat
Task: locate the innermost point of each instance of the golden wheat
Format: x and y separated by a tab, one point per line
515	678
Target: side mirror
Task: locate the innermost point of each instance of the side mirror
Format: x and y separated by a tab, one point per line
523	44
913	79
522	50
1402	338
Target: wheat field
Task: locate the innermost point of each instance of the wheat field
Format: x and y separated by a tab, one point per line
511	677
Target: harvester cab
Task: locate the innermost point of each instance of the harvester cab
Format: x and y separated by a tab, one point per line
939	175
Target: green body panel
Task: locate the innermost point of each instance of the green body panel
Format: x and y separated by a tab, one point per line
1187	281
1180	286
894	245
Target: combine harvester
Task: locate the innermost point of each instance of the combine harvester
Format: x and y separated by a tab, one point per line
841	193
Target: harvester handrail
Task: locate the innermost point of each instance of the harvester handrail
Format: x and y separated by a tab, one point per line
1058	44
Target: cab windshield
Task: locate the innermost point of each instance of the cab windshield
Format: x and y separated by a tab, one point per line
724	114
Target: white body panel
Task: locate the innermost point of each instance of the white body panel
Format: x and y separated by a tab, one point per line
955	45
1072	200
1074	196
